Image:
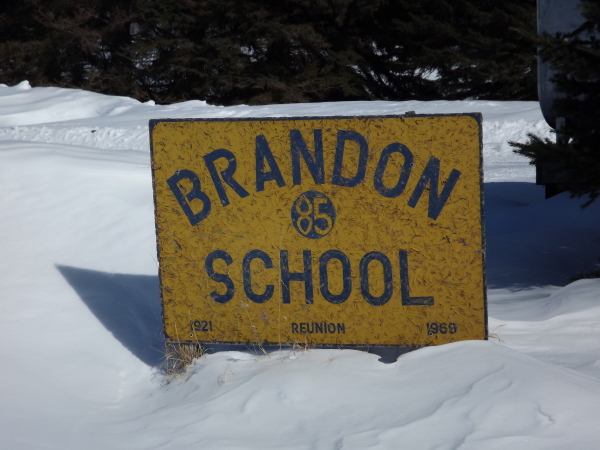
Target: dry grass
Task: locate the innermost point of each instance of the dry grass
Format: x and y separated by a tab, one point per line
179	356
496	334
300	347
223	378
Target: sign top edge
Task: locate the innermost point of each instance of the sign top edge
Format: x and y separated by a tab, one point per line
153	122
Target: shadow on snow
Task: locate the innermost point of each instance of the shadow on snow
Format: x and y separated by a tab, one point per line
531	242
127	305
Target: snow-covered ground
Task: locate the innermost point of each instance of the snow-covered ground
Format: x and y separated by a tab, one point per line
81	323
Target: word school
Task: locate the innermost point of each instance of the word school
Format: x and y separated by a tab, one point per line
306	276
267	170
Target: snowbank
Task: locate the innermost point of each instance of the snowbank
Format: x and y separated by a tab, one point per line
80	309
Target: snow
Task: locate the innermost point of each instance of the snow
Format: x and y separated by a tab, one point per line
81	319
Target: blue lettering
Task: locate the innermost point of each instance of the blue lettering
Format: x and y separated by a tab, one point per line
338	178
263	153
407	300
226	174
256	254
404	174
346	276
315	165
305	277
194	194
219	277
387	278
431	175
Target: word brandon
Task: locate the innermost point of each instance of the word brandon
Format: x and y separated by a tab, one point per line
306	277
267	170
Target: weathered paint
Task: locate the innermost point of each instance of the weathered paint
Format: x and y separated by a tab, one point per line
321	230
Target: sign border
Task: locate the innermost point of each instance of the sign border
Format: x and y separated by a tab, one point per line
478	118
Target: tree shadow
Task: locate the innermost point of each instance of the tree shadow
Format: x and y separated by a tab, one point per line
127	305
533	242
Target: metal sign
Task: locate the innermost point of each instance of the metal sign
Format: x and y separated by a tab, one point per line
323	230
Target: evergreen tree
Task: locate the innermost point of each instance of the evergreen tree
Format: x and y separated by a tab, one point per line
72	44
267	51
256	51
576	59
272	51
472	47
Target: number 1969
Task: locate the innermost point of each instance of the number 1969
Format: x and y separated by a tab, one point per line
443	328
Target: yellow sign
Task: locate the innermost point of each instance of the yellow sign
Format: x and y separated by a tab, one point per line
331	231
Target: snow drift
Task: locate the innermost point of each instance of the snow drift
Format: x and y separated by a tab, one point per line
80	313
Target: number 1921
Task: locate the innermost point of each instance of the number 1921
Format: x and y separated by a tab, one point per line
201	325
